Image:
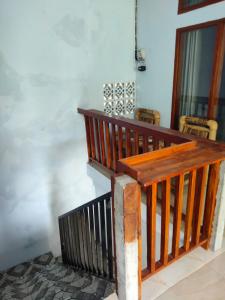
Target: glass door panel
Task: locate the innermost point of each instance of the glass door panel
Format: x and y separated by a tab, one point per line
197	58
188	3
221	109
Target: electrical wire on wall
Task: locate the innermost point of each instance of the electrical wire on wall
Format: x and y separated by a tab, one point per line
139	53
136	17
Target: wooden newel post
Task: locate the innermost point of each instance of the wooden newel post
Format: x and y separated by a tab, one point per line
127	212
219	216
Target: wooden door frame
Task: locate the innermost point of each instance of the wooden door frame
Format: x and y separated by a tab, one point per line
182	9
217	71
218	57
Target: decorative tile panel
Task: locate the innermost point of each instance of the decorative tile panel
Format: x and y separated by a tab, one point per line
108	91
119	98
119	91
108	107
130	105
130	90
119	107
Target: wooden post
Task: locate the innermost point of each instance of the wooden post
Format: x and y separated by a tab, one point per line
219	218
127	212
210	202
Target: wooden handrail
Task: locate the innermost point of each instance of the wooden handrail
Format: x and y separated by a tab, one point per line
194	165
110	139
165	163
146	128
158	165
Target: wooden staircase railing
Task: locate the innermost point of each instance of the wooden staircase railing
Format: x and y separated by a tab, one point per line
87	239
165	177
110	139
165	163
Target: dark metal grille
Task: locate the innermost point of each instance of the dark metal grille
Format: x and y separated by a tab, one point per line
87	238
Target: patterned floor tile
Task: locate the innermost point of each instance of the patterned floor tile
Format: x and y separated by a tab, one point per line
46	277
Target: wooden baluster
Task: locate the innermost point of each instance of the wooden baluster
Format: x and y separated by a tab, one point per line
88	138
145	143
177	215
150	143
102	138
97	140
165	220
114	151
167	144
111	146
199	203
151	226
120	142
162	144
141	144
136	143
189	211
210	202
155	143
108	145
92	134
128	143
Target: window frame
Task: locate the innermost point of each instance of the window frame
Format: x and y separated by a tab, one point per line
182	9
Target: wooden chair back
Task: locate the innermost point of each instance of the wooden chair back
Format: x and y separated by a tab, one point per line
148	115
198	126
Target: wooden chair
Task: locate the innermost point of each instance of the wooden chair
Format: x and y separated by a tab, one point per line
148	115
198	126
145	115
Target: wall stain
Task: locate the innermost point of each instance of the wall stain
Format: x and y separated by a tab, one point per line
10	90
9	79
30	243
72	30
41	80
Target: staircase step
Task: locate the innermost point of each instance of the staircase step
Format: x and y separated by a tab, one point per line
45	277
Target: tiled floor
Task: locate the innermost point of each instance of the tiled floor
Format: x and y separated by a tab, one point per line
163	284
208	283
200	275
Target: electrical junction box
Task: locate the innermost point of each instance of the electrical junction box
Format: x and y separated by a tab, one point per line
140	58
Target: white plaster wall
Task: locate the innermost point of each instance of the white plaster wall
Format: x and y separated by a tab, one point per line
158	21
55	55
